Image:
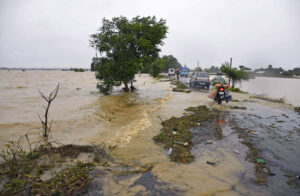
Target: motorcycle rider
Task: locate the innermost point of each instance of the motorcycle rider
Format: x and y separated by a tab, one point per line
218	79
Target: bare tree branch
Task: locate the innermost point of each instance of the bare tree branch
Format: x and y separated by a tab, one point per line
49	99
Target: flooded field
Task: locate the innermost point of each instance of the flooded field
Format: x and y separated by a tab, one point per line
127	122
276	88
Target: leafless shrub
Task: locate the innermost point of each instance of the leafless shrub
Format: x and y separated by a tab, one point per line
49	99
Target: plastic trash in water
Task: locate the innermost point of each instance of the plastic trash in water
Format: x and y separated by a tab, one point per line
236	151
170	151
260	161
182	143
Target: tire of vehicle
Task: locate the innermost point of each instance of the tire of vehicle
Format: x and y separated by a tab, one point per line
207	86
219	101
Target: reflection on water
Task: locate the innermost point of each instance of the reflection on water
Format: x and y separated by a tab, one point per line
286	88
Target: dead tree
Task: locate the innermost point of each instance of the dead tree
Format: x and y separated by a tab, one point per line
49	99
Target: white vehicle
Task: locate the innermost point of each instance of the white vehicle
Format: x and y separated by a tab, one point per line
171	72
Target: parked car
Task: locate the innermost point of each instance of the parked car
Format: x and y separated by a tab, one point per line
200	79
171	72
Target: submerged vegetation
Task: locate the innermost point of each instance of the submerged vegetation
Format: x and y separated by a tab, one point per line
176	136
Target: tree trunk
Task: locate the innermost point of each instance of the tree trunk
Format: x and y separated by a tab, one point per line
126	89
233	84
132	88
230	68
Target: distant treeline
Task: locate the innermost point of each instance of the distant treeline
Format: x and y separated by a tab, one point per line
278	72
270	71
77	69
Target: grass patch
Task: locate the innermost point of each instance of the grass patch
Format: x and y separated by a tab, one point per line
237	90
281	100
175	133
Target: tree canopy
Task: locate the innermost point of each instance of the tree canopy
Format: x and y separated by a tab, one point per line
235	74
170	62
125	47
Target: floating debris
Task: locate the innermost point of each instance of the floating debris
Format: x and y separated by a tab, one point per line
238	107
236	151
258	160
210	163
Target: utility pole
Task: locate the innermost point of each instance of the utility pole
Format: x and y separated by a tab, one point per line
230	68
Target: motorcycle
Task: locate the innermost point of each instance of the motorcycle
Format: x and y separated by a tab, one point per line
222	94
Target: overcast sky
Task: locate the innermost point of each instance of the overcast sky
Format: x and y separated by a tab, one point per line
55	33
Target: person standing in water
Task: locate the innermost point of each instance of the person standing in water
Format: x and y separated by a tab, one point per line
177	73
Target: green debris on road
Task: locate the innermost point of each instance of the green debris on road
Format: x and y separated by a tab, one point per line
181	142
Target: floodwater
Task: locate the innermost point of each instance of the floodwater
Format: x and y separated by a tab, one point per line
286	88
127	122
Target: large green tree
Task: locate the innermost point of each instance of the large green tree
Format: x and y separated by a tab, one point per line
157	67
125	47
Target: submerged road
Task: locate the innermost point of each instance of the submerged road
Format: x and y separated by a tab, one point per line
264	129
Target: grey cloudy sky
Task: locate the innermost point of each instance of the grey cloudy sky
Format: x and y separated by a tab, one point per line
55	33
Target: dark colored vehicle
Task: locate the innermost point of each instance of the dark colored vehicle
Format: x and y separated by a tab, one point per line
222	94
200	79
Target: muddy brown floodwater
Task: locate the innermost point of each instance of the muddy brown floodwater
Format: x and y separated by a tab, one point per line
127	122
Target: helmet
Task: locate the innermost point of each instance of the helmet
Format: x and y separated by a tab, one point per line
219	73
